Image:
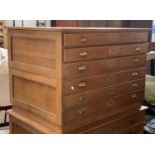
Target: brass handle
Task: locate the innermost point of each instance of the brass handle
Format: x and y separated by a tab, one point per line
83	53
82	84
135	60
137	49
81	68
134	85
136	37
83	39
82	111
134	96
135	74
81	98
111	103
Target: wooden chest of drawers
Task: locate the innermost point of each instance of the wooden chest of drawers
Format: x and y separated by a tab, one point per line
77	80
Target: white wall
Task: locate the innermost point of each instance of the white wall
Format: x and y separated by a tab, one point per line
48	23
29	23
9	22
26	23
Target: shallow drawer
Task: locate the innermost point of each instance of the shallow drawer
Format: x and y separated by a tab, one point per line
97	95
131	124
97	67
128	122
87	83
135	130
85	39
104	105
90	53
108	129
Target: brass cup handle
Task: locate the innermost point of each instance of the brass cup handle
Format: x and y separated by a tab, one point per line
137	49
134	96
83	39
111	103
83	53
82	84
136	37
82	68
82	111
135	74
81	98
134	85
135	60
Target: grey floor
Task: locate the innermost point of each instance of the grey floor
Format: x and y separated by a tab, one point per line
4	130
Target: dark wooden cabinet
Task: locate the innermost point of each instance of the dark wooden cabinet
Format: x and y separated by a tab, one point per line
104	23
77	80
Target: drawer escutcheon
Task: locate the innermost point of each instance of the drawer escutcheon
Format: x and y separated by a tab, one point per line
82	111
136	37
81	98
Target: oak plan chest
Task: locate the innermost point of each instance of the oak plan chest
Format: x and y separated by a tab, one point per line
77	80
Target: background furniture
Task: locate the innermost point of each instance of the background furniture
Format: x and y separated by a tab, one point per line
4	88
3	34
152	46
151	58
104	23
74	80
150	112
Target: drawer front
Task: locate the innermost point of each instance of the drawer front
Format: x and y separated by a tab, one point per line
85	39
135	130
108	129
92	96
90	53
81	69
104	105
131	124
83	84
